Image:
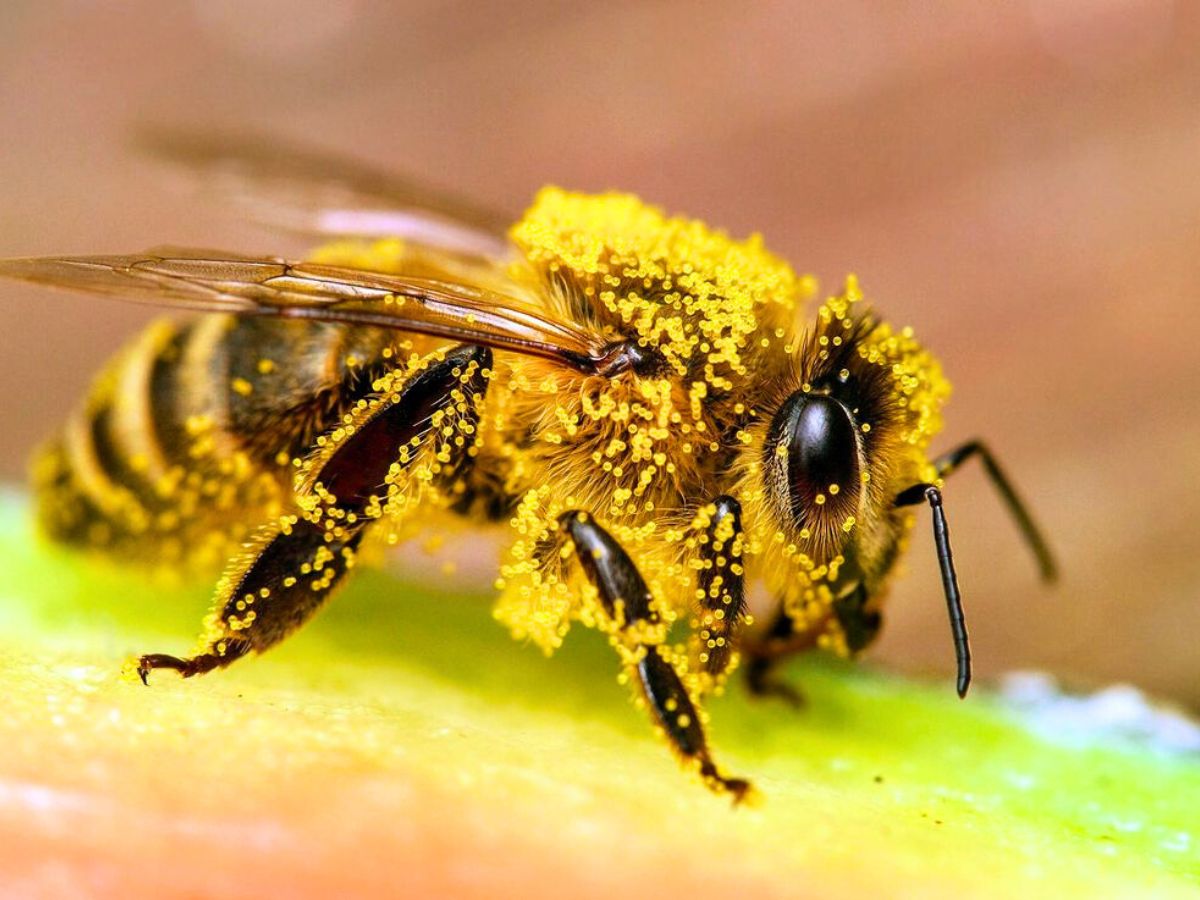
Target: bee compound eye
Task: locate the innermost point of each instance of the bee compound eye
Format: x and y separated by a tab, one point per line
818	434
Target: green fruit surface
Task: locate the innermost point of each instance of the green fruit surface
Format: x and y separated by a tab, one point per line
403	745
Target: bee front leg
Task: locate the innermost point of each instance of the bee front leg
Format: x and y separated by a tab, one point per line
290	568
721	584
762	659
859	623
627	602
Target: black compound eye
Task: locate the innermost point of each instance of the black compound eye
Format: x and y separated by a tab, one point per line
818	434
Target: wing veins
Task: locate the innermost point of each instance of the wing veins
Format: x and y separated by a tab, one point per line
275	287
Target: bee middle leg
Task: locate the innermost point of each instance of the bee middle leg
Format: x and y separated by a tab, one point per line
291	567
627	602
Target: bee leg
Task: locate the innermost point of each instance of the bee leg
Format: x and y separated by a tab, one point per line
859	624
289	575
626	600
721	584
762	658
292	567
226	653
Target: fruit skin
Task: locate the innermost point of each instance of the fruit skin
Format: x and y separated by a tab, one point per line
386	750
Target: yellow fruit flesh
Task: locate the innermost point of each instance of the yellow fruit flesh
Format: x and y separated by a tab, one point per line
402	744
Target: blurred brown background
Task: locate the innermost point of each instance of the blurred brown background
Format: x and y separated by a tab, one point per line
1019	182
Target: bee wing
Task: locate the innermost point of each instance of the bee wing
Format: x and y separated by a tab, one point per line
210	282
312	193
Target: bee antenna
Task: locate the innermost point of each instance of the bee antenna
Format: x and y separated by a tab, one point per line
941	538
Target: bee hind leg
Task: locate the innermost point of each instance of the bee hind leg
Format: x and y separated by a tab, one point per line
291	567
286	578
192	665
626	600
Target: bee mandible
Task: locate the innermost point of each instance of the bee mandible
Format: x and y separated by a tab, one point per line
639	401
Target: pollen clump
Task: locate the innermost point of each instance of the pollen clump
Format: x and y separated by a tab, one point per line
689	291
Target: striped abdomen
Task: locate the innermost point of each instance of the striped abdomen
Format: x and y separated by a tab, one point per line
186	441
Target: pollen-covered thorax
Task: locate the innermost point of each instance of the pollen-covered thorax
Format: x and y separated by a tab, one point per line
644	450
707	304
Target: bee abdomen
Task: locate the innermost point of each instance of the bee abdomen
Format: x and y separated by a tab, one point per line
144	470
87	488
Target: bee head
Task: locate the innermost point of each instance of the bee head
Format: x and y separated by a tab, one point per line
846	432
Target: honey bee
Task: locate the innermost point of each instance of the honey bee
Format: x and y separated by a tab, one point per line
639	401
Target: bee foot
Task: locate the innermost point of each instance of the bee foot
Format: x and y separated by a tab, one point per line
162	661
193	665
739	789
764	684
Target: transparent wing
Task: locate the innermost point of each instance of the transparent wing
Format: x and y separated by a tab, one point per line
312	193
218	282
